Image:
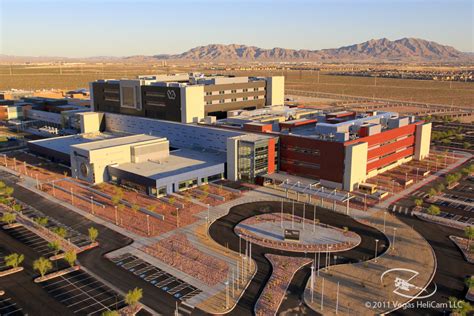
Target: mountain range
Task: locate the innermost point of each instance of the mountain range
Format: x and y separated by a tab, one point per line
375	50
405	49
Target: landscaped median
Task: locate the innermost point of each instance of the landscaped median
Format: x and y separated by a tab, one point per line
56	274
465	246
284	268
369	287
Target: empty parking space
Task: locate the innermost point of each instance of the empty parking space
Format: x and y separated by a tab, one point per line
73	235
8	307
32	240
83	294
157	277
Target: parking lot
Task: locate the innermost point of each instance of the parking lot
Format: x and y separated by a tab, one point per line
157	277
73	235
32	240
8	307
83	294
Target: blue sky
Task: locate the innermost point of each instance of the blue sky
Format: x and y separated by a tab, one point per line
121	28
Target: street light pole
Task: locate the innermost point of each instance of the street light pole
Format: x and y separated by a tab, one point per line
376	242
304	213
281	217
293	215
312	283
72	198
92	205
337	298
384	215
322	295
116	217
314	219
393	243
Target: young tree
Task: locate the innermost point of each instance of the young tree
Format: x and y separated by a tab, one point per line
93	234
171	200
418	202
133	297
42	265
16	207
60	231
469	233
8	191
432	192
459	307
8	218
54	246
434	210
14	260
2	185
469	282
42	221
135	207
151	208
110	313
70	257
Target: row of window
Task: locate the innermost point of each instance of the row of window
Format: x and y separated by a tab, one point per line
232	91
221	101
309	151
299	163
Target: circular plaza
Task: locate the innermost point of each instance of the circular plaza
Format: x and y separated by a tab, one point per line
293	233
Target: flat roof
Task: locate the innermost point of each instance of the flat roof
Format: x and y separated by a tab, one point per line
62	144
178	162
116	141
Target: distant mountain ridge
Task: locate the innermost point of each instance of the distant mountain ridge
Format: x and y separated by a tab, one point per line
374	50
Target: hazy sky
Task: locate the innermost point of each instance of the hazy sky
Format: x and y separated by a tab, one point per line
121	28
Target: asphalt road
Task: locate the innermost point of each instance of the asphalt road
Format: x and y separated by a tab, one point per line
94	259
451	270
222	231
31	297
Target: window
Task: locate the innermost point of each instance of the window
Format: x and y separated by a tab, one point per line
209	102
245	90
255	89
221	92
154	103
128	97
209	93
255	97
245	98
233	91
221	101
234	100
155	94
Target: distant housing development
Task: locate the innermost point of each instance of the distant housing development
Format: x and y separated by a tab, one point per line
169	133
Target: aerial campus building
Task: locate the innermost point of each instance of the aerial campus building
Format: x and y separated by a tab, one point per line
185	98
121	142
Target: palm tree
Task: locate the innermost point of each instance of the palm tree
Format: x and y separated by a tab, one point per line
60	231
70	257
133	297
469	233
14	260
8	218
110	313
43	265
54	246
93	234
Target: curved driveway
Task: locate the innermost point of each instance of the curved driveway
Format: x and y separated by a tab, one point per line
222	231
